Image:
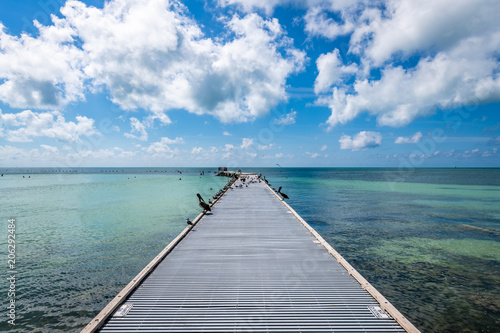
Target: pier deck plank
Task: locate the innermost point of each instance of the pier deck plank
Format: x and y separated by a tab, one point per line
250	266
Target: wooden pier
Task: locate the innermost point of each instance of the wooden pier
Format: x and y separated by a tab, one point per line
251	265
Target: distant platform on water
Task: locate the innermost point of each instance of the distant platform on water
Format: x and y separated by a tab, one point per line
224	172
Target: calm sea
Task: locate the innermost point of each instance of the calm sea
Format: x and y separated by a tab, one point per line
427	239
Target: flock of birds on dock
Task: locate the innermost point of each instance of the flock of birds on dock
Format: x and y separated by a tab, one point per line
243	183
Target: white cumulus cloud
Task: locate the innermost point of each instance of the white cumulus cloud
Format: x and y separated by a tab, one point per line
80	157
137	127
266	147
150	54
317	22
197	150
413	139
251	155
43	72
287	119
229	148
26	125
252	5
20	155
51	149
312	155
361	141
161	148
177	140
331	71
457	58
246	143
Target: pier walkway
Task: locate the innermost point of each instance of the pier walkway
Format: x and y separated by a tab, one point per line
252	265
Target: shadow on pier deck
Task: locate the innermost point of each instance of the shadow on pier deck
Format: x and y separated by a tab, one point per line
251	265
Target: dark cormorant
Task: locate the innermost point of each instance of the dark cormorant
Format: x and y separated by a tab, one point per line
283	194
188	221
202	203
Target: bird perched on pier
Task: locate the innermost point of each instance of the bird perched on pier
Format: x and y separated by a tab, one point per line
202	203
209	201
189	221
283	194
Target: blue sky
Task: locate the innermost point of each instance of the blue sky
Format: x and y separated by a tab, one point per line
335	83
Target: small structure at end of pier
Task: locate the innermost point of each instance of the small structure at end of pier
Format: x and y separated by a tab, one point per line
225	173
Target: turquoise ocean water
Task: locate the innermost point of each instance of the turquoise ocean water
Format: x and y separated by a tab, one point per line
427	239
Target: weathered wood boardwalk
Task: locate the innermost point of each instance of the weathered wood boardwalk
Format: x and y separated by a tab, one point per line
253	265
